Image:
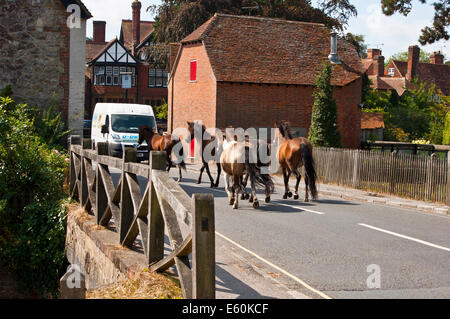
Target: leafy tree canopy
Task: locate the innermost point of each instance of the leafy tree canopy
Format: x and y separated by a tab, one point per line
441	20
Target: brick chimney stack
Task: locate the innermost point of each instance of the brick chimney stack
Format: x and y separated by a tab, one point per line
413	62
136	7
378	61
372	54
437	58
99	32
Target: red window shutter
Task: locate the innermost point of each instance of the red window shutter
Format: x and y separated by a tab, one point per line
193	71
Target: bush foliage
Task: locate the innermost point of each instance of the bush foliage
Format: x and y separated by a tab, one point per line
32	200
324	130
419	114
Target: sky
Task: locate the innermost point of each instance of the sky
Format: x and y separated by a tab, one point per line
392	34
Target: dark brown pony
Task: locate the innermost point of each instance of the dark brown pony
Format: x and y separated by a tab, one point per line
216	150
165	143
292	155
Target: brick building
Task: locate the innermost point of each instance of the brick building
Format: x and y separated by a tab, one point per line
106	61
399	74
251	71
42	54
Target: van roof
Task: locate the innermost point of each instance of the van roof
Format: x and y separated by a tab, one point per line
125	108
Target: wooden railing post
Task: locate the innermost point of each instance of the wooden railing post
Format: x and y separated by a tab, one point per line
102	198
87	144
393	175
157	161
126	202
355	180
448	179
203	247
74	140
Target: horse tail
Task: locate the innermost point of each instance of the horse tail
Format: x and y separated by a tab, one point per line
309	169
253	170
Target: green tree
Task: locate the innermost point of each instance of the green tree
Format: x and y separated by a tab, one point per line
358	42
32	211
446	135
403	56
441	20
418	114
324	129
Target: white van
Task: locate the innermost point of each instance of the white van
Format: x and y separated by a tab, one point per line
118	124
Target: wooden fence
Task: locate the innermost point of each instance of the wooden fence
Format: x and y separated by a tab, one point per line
164	205
411	176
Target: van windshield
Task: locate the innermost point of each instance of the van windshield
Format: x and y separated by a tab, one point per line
125	123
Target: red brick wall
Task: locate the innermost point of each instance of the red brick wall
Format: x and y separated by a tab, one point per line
192	100
348	99
220	104
254	105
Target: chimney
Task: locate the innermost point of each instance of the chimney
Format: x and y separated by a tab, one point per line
333	57
136	7
413	62
99	32
373	54
378	65
437	58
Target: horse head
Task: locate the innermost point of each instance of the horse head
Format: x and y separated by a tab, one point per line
145	134
191	128
283	126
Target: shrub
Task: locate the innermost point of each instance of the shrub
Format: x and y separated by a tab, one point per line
324	130
32	213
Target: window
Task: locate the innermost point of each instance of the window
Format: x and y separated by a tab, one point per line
391	71
111	75
157	78
193	71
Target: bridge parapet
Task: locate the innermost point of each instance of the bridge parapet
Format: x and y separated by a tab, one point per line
163	206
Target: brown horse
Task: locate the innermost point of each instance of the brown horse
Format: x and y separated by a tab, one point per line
292	155
165	143
216	149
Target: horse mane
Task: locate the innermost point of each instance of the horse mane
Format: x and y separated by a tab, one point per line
284	129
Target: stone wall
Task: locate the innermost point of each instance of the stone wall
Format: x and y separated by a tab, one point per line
97	251
35	51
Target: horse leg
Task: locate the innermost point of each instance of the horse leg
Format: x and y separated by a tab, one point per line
219	171
306	188
201	173
236	188
243	188
179	176
253	197
227	189
211	179
299	177
286	175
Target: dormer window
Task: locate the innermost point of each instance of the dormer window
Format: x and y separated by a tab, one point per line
391	72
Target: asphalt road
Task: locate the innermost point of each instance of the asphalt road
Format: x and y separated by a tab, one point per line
336	248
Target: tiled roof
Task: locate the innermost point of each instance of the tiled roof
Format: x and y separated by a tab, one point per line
390	83
147	28
371	121
93	49
85	12
438	74
265	50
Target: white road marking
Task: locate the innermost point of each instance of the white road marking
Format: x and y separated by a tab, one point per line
301	208
301	282
406	237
